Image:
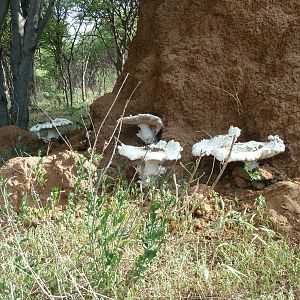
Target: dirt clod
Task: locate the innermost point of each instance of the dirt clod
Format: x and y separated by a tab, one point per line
240	182
36	177
265	173
283	202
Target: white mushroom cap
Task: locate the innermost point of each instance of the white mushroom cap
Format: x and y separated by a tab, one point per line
206	147
219	147
140	153
143	119
252	150
149	126
49	128
61	122
160	151
52	124
152	157
172	149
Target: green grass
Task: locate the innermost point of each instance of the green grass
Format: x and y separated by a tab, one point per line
119	243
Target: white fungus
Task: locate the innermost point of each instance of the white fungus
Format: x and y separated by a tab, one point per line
207	147
149	159
149	126
251	151
49	130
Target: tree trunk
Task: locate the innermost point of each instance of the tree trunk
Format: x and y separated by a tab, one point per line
4	117
22	85
27	28
70	83
83	77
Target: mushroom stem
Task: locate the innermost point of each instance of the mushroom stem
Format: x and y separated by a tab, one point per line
149	169
251	165
146	134
52	134
148	160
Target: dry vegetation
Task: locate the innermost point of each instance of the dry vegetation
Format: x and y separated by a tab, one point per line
116	241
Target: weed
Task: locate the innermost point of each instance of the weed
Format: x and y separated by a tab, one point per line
254	176
39	172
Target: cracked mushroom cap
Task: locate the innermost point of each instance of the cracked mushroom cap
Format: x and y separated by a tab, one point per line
252	150
159	152
207	147
52	124
219	147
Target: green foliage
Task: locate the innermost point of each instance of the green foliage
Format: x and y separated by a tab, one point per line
153	236
39	173
254	176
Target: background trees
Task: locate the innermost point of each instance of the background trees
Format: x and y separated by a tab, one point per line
28	19
60	51
118	18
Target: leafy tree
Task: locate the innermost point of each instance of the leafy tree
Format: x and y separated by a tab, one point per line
60	46
119	18
60	38
28	20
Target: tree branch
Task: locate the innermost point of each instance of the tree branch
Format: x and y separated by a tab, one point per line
45	20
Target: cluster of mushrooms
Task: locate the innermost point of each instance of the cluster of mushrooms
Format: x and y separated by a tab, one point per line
149	159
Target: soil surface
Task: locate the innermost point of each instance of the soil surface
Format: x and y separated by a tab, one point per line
283	203
206	65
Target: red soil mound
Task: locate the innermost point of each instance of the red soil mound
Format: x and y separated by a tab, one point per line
14	140
206	65
36	177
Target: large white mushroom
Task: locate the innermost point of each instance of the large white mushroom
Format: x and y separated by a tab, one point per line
251	151
149	126
148	160
207	147
49	130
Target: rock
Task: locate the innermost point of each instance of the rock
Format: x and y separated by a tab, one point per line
240	182
38	176
265	173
